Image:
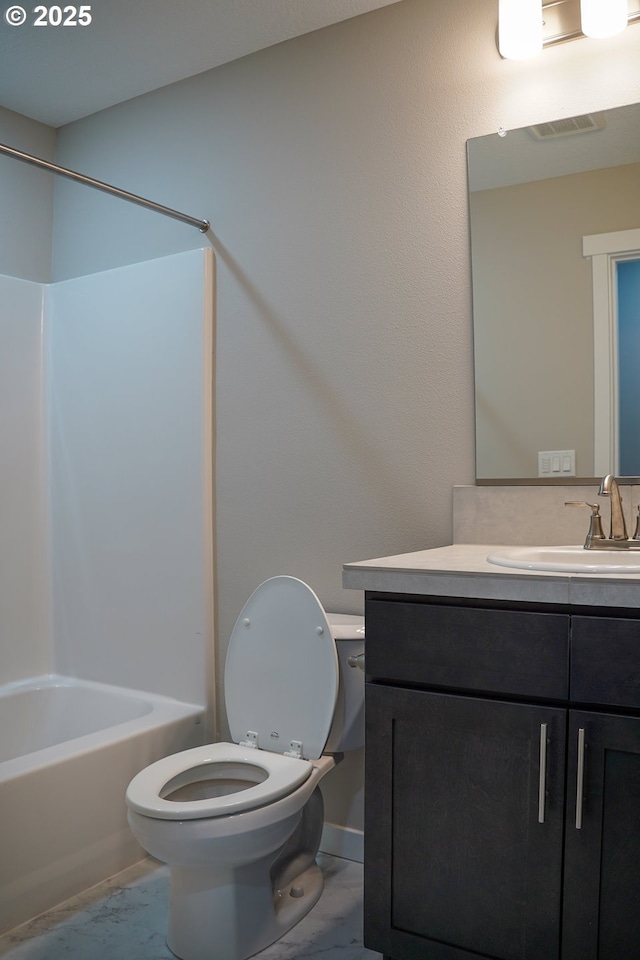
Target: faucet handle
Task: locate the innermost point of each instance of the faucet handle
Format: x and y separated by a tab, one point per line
595	527
636	535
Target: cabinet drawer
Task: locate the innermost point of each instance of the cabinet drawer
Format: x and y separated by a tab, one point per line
468	648
605	661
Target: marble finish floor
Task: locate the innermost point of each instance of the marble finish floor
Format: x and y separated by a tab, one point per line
124	918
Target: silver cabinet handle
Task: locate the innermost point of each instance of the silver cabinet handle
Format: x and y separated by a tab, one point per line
580	779
542	782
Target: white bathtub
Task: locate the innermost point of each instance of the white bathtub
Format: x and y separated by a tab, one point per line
68	749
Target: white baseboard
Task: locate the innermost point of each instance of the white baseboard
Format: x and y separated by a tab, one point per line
342	842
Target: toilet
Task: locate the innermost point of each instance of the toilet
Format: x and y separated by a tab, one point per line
240	823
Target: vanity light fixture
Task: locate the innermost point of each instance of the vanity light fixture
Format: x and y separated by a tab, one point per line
519	29
603	18
526	26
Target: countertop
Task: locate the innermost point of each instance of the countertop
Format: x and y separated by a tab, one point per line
462	570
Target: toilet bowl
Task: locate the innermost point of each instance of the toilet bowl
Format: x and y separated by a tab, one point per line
240	823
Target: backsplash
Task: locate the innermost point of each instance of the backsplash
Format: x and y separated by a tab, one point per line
531	514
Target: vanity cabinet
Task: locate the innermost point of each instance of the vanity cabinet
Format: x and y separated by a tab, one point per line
502	812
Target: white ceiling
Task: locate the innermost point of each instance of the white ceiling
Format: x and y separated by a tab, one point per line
57	74
496	161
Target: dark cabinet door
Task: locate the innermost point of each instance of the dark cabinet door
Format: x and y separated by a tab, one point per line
602	847
463	827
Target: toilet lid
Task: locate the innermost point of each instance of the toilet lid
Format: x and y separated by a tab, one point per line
281	672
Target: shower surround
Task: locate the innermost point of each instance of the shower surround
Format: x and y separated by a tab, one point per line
106	527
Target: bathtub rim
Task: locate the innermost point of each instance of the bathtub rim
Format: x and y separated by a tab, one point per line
163	712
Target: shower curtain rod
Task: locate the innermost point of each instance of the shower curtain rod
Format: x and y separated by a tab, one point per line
202	225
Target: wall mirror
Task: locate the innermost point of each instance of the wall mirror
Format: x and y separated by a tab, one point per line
555	251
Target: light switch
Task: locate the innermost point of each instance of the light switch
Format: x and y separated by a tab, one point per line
556	463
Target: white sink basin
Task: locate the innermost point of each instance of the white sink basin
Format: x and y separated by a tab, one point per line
572	559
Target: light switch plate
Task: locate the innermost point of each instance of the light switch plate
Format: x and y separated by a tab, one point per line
556	463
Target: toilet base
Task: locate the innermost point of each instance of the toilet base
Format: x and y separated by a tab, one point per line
295	901
235	917
219	911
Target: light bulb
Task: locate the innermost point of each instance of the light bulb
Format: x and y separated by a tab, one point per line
520	29
603	18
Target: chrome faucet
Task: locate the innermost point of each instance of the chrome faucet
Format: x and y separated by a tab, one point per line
618	538
609	488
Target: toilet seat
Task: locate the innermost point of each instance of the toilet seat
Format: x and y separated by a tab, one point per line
281	686
281	775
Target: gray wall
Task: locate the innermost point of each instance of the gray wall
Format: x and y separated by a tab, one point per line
333	170
26	200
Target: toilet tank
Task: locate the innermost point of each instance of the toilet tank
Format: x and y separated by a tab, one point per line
347	729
